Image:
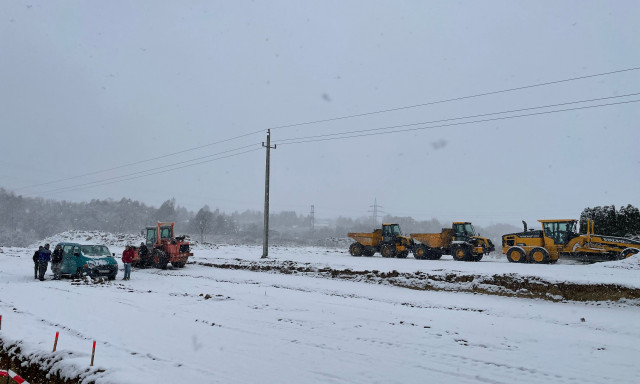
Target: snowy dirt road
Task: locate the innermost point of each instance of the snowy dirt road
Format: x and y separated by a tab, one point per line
211	325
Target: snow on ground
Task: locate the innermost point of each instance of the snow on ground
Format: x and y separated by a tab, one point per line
211	325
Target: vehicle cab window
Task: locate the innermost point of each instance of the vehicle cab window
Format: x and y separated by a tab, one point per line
165	233
151	236
558	231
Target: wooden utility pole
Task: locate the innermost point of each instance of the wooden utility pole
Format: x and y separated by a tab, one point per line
265	239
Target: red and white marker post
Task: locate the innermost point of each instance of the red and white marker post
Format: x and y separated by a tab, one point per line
93	353
55	343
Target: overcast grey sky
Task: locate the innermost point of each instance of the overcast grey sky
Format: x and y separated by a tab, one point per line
93	86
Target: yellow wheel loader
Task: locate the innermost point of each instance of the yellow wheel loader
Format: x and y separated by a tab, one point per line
461	241
388	240
559	238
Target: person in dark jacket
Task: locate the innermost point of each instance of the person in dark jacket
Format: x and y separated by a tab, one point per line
127	258
43	261
56	262
143	251
36	257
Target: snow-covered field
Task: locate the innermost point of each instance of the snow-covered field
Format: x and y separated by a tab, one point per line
215	325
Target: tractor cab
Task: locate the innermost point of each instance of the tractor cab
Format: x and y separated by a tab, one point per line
559	232
463	230
390	231
166	234
152	236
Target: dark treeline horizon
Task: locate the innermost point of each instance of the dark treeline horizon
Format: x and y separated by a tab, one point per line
25	220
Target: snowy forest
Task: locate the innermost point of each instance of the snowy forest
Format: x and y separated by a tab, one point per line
624	222
25	220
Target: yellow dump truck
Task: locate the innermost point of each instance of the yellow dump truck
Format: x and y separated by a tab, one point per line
460	241
388	240
560	238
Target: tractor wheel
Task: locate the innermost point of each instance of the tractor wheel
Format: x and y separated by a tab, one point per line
627	252
420	252
516	255
539	255
369	251
461	253
388	250
477	257
177	264
356	249
402	255
160	259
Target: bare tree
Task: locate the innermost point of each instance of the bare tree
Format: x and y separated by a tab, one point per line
203	221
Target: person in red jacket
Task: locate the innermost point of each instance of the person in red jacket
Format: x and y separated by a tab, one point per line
127	258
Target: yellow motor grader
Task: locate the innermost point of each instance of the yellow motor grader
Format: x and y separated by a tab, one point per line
559	238
388	240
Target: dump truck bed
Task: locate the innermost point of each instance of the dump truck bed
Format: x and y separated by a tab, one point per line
367	239
435	240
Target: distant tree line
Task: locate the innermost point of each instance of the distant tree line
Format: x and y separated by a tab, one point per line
26	220
624	222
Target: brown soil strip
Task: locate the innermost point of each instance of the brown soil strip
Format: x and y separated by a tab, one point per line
511	285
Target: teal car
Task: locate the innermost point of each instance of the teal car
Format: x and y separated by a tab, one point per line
88	259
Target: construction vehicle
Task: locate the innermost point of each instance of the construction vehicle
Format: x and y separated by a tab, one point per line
460	241
388	240
163	247
559	238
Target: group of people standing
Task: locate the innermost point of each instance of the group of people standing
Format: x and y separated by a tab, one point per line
43	256
41	259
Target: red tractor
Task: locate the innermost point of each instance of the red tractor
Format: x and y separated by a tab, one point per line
163	248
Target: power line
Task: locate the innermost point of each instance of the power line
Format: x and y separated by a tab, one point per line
454	99
162	169
310	139
284	141
138	162
328	120
158	170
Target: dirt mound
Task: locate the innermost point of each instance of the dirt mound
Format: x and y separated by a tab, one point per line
498	284
36	369
92	237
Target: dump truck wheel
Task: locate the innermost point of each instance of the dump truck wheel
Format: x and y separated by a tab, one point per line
461	253
516	255
539	255
356	249
627	252
369	251
402	255
477	258
388	250
178	265
420	252
433	255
